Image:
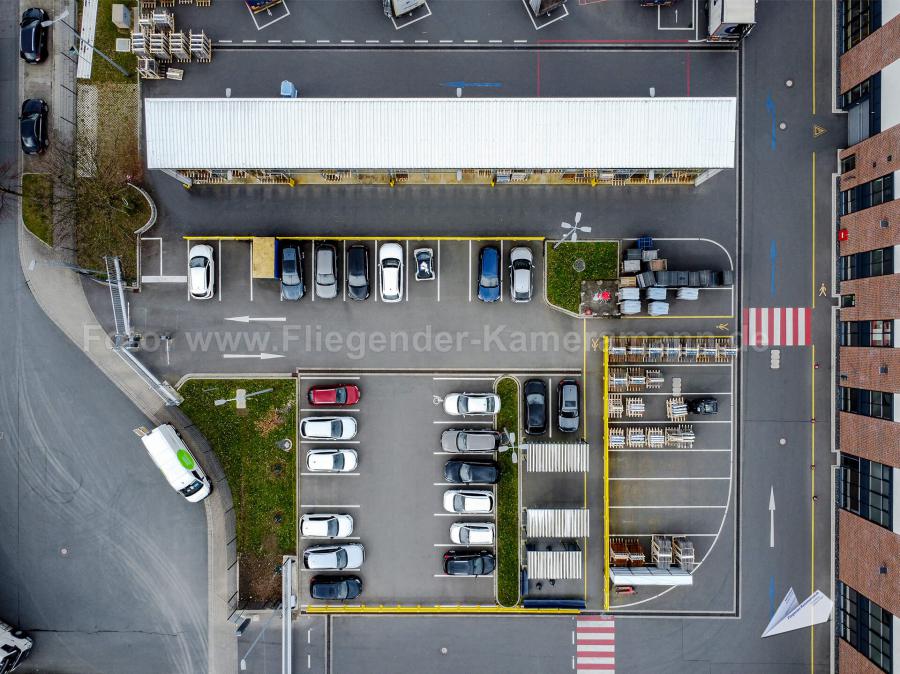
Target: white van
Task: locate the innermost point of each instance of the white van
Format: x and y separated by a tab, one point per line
176	463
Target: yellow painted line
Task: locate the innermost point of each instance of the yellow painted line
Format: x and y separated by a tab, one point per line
437	609
813	57
812	511
217	238
414	237
606	473
814	215
652	317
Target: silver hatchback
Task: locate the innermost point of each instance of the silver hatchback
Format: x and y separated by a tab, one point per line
326	272
521	274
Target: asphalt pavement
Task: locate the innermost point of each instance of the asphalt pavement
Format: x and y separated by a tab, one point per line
100	560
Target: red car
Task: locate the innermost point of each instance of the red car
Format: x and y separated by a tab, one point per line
342	394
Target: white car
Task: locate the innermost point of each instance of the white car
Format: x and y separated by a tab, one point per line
521	272
472	404
327	525
390	269
201	272
331	460
472	533
469	501
328	428
334	557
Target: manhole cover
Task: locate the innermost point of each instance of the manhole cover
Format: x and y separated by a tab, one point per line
579	265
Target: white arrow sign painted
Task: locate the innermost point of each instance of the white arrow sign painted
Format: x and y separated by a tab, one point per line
260	356
772	518
250	319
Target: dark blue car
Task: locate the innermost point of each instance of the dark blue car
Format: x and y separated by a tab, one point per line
489	274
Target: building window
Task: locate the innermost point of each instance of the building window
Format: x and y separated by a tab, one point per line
877	404
864	625
878	262
848	300
848	163
866	489
863	106
882	333
868	194
858	19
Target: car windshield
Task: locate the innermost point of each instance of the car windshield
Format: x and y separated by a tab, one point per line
336	428
29	37
535	400
391	263
464	536
478	565
459	502
337	462
489	281
198	262
192	488
465	472
341	557
340	395
332	527
570	398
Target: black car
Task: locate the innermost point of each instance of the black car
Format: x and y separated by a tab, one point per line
468	472
292	287
703	406
468	563
33	126
568	404
335	587
535	393
358	272
33	36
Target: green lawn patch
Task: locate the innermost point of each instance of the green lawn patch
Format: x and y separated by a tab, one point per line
37	195
508	499
564	283
105	41
261	476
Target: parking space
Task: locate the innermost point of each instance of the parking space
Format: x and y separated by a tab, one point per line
396	494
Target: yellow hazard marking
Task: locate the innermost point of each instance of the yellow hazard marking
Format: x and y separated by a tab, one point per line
818	130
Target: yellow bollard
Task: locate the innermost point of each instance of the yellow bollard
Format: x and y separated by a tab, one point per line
292	182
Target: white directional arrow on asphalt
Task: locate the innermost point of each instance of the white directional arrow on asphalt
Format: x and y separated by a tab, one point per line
249	319
772	518
260	356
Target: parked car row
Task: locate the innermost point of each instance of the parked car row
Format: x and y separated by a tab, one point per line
568	418
33	126
331	556
521	274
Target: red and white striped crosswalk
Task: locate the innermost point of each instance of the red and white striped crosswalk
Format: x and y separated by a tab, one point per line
595	644
777	326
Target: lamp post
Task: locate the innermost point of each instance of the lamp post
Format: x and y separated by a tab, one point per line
572	231
59	19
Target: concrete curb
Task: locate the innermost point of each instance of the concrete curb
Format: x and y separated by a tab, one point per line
58	292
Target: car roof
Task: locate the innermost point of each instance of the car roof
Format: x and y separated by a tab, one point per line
490	259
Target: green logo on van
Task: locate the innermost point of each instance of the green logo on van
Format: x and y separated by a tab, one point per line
186	459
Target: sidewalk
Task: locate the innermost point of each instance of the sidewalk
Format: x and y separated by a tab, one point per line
59	293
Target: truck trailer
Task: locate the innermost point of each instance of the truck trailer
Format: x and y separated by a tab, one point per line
730	20
397	8
15	646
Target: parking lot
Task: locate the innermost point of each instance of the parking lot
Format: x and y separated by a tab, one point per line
395	495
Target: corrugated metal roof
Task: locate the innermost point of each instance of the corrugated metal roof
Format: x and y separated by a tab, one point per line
533	133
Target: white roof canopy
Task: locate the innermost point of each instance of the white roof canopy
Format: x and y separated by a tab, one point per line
451	133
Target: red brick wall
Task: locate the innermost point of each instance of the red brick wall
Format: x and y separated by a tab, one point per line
851	661
873	150
865	230
876	298
864	546
871	55
861	365
873	439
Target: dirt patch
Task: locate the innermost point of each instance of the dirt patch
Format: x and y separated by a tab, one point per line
260	583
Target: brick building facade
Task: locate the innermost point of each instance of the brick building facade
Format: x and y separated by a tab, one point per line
867	587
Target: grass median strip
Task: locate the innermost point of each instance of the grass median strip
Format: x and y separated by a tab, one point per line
262	476
508	499
37	196
600	260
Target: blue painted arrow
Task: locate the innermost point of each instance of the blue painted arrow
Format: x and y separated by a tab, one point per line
773	255
770	105
462	85
771	596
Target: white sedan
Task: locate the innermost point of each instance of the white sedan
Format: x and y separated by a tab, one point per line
472	404
468	501
472	533
332	460
326	525
390	268
328	428
201	272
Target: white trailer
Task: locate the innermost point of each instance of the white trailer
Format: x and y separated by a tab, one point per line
730	20
398	8
15	647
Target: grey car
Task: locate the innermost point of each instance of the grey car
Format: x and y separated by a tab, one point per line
521	274
292	287
326	271
474	440
568	418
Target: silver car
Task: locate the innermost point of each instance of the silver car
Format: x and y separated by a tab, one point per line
326	272
469	501
472	533
474	440
326	525
334	557
521	274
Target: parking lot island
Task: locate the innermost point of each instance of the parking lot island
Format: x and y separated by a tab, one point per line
570	263
262	475
508	497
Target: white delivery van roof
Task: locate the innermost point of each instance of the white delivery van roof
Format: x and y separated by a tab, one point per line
169	454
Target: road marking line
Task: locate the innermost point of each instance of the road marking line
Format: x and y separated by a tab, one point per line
314	505
446	41
315	442
220	270
460	421
463	378
348	41
470	271
329	409
308	474
421	41
224	41
396	41
248	41
495	41
372	41
323	41
520	41
471	41
299	41
332	377
490	514
444	575
274	41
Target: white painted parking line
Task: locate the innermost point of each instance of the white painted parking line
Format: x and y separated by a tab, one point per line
459	421
344	278
220	270
163	279
458	484
461	545
330	378
313	279
445	453
372	41
470	270
550	405
463	378
520	41
315	442
500	272
251	270
329	409
324	538
316	505
437	270
463	514
187	252
406	270
444	575
330	474
375	272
